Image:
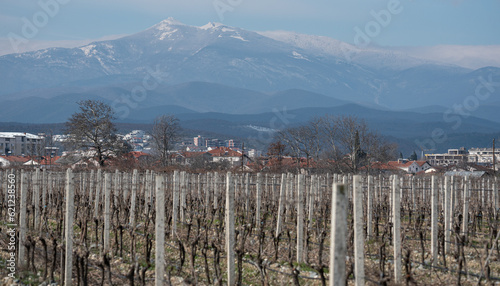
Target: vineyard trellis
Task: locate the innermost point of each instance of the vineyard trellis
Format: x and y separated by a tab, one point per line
145	228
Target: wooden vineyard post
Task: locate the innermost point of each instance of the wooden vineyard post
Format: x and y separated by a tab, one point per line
49	188
495	196
301	184
289	195
413	190
68	227
465	218
281	205
207	192
434	220
175	204
424	191
247	192
216	190
107	211
198	191
116	186
482	193
369	207
338	236
36	196
311	198
132	198
447	214
97	193
182	204
396	218
92	186
258	199
453	201
160	232
359	240
147	182
230	234
22	221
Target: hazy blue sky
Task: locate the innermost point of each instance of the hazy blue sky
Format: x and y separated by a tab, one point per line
419	23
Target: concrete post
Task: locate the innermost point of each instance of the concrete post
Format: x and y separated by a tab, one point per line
258	199
300	217
23	223
311	198
495	196
68	227
160	232
359	245
247	192
369	207
447	214
107	211
97	193
434	220
36	196
133	195
396	219
92	186
338	236
175	204
230	234
216	190
465	217
183	195
281	204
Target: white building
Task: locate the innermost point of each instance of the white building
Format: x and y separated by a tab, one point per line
483	156
453	157
411	167
19	144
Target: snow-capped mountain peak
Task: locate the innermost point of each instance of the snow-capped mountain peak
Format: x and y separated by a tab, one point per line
170	21
212	25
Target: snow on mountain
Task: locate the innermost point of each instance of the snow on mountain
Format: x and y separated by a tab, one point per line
368	56
175	53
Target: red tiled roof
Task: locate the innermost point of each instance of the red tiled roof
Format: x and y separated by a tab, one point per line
16	159
385	166
137	154
49	160
420	163
405	165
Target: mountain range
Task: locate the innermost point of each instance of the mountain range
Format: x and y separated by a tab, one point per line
217	72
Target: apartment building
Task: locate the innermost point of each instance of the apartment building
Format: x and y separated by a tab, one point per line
20	144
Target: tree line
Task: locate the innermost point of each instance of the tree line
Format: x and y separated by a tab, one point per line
337	143
340	143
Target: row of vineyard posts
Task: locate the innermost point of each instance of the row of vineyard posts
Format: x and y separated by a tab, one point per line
211	228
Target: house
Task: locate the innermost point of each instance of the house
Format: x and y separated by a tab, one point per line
221	154
411	167
188	158
138	156
49	161
11	161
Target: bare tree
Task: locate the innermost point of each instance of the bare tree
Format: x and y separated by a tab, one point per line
92	128
165	132
342	141
303	141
